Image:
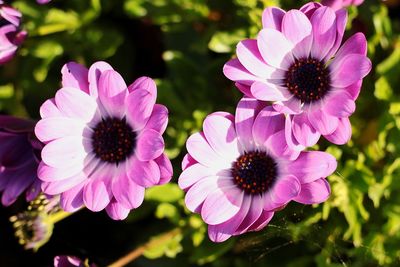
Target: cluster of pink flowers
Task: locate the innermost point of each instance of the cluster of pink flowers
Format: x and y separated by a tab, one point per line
101	142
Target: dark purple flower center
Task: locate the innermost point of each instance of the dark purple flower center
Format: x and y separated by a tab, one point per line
113	140
308	80
254	172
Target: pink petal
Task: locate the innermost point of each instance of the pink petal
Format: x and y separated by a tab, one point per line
272	18
94	75
244	89
354	89
356	44
312	165
65	152
75	75
349	70
97	192
340	104
59	186
221	205
166	170
219	130
140	105
275	48
267	122
246	111
342	134
149	145
49	109
235	71
117	211
193	174
144	83
289	136
254	213
292	106
126	192
283	191
112	93
248	54
72	200
314	193
277	144
310	8
201	151
341	21
303	131
50	174
159	119
144	173
197	194
324	31
52	128
75	103
269	92
187	161
221	232
298	30
262	221
323	122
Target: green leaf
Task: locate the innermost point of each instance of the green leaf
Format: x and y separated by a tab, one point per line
164	193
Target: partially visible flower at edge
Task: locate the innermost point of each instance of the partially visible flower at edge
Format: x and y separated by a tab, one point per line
71	261
19	159
103	140
297	63
338	4
43	2
240	170
11	37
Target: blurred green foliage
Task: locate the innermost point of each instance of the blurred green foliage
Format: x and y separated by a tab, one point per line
184	44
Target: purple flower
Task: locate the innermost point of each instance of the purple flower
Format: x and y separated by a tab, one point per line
43	2
71	261
338	4
296	63
240	170
10	34
18	159
103	139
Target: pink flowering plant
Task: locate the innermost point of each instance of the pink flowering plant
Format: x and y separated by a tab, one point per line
188	133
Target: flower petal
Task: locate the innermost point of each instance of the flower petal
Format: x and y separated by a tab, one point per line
303	131
166	170
149	145
52	128
341	21
349	70
324	32
193	174
158	120
97	192
284	190
126	192
144	173
197	193
314	193
140	105
59	186
323	122
219	130
144	83
275	48
269	92
72	200
112	93
75	75
340	104
94	74
254	213
312	165
235	71
342	134
267	122
272	18
49	109
117	211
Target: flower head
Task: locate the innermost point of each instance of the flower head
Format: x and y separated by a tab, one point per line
296	63
240	170
103	140
19	158
338	4
71	261
10	34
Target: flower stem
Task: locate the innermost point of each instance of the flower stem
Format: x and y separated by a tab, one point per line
59	216
137	252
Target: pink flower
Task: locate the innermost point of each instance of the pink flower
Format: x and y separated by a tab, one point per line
10	35
18	159
240	170
296	63
43	2
338	4
103	139
71	261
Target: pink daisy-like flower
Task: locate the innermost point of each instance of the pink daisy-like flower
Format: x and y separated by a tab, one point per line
11	37
240	170
19	158
296	63
338	4
103	140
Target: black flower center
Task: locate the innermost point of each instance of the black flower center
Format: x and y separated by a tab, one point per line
308	80
113	140
254	172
